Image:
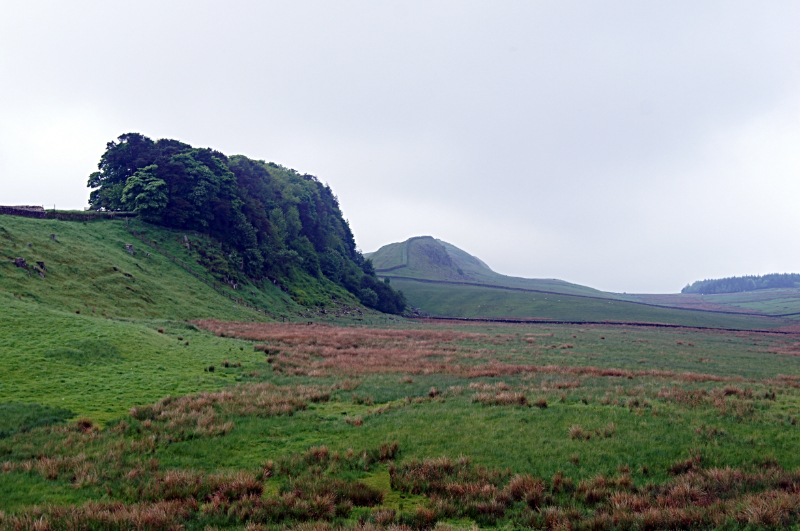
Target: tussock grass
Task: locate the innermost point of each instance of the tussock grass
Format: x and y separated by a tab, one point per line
204	414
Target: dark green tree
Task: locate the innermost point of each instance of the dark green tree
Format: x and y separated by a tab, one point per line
272	220
145	193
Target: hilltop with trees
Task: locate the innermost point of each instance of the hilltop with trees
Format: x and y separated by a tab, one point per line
271	221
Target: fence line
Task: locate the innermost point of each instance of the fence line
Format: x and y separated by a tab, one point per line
213	285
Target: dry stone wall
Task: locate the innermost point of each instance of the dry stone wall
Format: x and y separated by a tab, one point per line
24	210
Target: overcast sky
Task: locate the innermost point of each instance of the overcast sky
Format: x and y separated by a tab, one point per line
629	146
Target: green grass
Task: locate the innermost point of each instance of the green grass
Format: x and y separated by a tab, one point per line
20	489
484	302
526	440
650	432
16	417
99	368
732	397
535	440
89	270
771	301
430	259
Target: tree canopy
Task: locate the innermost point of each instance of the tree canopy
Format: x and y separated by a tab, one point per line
278	222
746	283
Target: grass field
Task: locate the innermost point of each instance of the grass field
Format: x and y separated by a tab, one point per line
771	301
784	302
545	422
190	411
485	302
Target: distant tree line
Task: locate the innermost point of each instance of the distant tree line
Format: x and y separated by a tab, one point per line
272	220
747	283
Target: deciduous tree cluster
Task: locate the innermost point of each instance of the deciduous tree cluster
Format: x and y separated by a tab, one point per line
278	222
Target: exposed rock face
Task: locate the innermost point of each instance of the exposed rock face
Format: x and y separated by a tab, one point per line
20	262
434	252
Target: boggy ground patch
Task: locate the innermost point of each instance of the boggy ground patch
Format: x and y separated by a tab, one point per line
323	350
319	350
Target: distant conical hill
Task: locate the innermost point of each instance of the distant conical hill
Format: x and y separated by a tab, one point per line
442	280
429	259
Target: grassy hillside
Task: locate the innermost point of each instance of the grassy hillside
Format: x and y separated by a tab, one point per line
784	302
89	270
772	301
103	329
100	368
486	302
431	259
442	280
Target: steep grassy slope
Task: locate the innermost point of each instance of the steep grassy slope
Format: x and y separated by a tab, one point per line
85	335
89	270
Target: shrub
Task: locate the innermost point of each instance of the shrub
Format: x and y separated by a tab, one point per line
681	467
501	399
383	517
362	400
576	431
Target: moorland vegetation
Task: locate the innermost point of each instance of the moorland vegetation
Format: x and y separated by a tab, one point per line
430	424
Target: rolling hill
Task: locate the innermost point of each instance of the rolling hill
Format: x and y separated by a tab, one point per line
426	258
442	280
